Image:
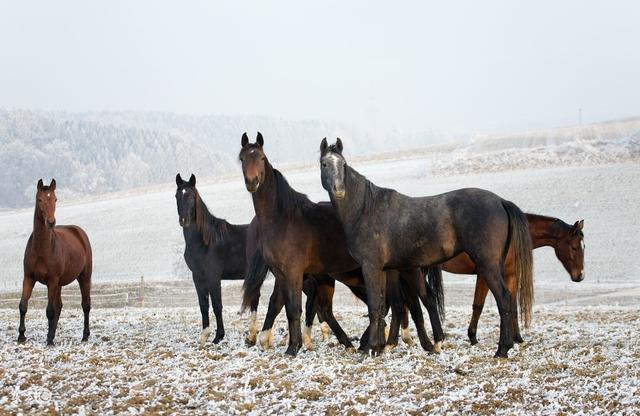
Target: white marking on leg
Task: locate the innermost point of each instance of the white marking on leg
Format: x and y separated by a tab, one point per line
438	347
265	338
326	331
253	329
204	336
406	336
386	332
306	338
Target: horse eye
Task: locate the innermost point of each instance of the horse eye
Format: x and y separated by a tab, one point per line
262	158
324	164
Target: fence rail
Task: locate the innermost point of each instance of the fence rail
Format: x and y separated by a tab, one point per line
111	295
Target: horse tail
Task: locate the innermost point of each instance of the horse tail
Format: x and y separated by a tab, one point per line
254	279
522	250
434	275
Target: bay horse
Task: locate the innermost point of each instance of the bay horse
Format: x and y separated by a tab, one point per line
568	243
215	250
297	237
388	230
55	256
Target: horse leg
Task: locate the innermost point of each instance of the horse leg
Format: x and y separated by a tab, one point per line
84	281
512	285
310	288
413	305
253	319
203	301
404	327
54	307
415	283
27	289
293	307
495	281
394	301
478	304
276	302
325	304
375	281
216	302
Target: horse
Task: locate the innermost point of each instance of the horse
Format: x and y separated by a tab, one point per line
215	250
297	237
388	230
568	243
55	256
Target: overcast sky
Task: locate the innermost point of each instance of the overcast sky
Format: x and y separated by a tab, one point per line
453	66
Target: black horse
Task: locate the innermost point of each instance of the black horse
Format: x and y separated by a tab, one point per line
216	250
388	230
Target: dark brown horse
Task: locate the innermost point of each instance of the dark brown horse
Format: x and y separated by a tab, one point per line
55	256
388	230
298	237
568	244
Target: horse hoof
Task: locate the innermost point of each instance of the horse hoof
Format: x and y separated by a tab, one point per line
84	339
437	348
50	343
502	353
473	340
518	339
350	350
265	338
406	337
390	347
22	339
218	338
292	351
250	342
326	331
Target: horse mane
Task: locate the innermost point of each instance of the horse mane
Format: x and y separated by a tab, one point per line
289	201
208	225
370	191
557	225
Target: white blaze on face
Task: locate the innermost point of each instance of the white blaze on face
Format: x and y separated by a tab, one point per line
333	160
48	195
184	191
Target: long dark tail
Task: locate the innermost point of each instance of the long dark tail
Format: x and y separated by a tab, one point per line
434	275
254	279
522	250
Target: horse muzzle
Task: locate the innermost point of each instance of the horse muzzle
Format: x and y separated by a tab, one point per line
51	223
252	185
579	278
338	193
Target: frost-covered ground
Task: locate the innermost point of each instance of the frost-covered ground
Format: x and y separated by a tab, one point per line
577	360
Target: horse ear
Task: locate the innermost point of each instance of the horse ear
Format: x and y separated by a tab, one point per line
245	139
323	146
339	145
52	185
192	180
179	180
580	224
260	140
40	185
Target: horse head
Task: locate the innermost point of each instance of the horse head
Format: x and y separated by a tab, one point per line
46	202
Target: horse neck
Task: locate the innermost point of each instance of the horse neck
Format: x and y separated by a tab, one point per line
265	202
42	234
352	206
544	230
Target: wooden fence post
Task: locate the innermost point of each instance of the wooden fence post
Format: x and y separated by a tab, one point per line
142	291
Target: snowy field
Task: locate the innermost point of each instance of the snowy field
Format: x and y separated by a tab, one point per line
578	360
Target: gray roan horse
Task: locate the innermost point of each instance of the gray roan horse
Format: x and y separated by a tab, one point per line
388	230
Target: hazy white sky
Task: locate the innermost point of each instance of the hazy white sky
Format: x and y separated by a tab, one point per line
454	65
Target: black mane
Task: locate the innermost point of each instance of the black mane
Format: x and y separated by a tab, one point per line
208	224
289	201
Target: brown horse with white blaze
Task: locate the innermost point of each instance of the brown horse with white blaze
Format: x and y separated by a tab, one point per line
55	256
